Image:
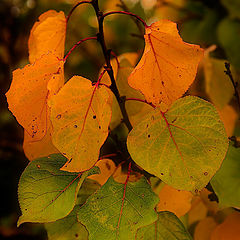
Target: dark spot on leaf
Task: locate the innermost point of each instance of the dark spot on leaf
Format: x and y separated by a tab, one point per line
75	126
174	120
206	173
149	135
191	177
147	125
38	166
64	153
196	191
58	116
25	209
94	117
163	83
99	127
161	173
160	92
158	29
180	75
108	166
76	235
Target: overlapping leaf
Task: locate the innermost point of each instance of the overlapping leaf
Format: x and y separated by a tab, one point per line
46	193
184	146
69	227
29	91
80	114
102	214
48	34
168	65
227	179
167	227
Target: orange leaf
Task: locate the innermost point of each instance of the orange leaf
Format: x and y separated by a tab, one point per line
168	65
107	168
44	147
27	96
48	34
204	229
229	229
173	200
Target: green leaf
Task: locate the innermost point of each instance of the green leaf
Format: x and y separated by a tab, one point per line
69	227
226	181
184	147
229	39
167	227
46	193
107	216
233	7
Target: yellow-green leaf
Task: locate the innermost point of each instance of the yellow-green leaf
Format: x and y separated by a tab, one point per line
184	146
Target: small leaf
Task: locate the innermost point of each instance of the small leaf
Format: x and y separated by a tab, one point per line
175	201
80	114
184	146
168	65
46	193
48	34
227	179
102	215
28	94
69	228
167	227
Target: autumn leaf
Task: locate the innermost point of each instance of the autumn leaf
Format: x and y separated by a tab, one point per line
229	229
204	229
48	34
167	227
168	65
29	105
102	215
184	147
173	200
46	193
80	114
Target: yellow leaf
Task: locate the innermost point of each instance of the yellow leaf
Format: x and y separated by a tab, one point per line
27	96
173	200
204	229
229	117
107	168
48	34
168	65
229	229
80	114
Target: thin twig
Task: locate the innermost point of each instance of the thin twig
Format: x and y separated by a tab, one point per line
235	84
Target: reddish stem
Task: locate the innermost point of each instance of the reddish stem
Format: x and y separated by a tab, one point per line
140	100
115	56
108	156
126	13
76	45
78	4
124	193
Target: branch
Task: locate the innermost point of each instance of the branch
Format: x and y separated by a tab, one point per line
107	54
235	84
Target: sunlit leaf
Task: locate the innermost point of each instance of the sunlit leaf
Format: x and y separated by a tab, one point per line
227	179
175	201
167	227
229	229
107	216
80	114
69	227
28	94
184	146
47	34
46	193
168	65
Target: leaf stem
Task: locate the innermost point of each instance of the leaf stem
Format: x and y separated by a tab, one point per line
71	11
126	13
107	54
76	45
235	84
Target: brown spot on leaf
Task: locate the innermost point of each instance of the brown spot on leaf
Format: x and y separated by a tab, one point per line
75	126
206	173
38	166
58	116
94	117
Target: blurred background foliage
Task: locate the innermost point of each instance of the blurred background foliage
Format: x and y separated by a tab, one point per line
206	22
